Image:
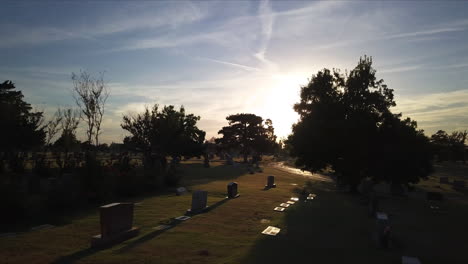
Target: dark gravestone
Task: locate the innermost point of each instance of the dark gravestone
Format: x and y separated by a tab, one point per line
373	204
434	196
206	161
444	180
397	189
229	160
270	182
459	185
116	224
199	201
232	190
383	230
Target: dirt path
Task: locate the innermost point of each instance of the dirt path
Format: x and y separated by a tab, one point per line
307	174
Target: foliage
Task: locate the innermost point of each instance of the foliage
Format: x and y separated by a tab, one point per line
165	132
249	133
449	147
22	128
346	124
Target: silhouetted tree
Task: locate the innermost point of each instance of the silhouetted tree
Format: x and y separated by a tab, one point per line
249	133
90	95
165	132
449	147
22	128
346	124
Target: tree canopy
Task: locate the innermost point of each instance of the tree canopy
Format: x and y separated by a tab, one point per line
165	132
346	124
249	133
22	128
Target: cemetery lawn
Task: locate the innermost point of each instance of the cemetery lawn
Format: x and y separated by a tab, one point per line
333	228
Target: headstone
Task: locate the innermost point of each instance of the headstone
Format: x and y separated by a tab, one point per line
383	230
229	160
206	161
409	260
290	202
271	231
232	190
270	182
444	180
397	189
434	196
199	201
116	224
295	199
285	205
459	184
279	209
373	204
180	191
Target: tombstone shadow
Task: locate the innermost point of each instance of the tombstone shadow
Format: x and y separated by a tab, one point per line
147	237
172	224
76	256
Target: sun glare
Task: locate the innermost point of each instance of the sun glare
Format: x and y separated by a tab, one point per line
279	99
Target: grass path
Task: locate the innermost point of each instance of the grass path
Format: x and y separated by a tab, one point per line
334	228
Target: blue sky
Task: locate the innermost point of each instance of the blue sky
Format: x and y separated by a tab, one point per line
221	58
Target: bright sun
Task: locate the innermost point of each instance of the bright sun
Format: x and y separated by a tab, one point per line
279	98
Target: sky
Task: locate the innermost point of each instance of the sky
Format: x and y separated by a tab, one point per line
222	58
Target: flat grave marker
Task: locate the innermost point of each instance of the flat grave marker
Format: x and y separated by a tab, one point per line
279	209
295	199
271	231
182	218
286	205
290	202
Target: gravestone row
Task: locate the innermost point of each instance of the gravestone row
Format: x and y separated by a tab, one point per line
116	219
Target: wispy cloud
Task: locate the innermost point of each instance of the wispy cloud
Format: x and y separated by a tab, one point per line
236	65
437	111
401	69
144	17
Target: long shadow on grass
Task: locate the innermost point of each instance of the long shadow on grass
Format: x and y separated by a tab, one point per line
201	175
332	228
172	224
75	256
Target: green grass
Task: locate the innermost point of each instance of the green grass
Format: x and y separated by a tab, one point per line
334	228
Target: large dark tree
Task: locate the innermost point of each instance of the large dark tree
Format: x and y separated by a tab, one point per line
165	132
346	124
22	128
249	133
